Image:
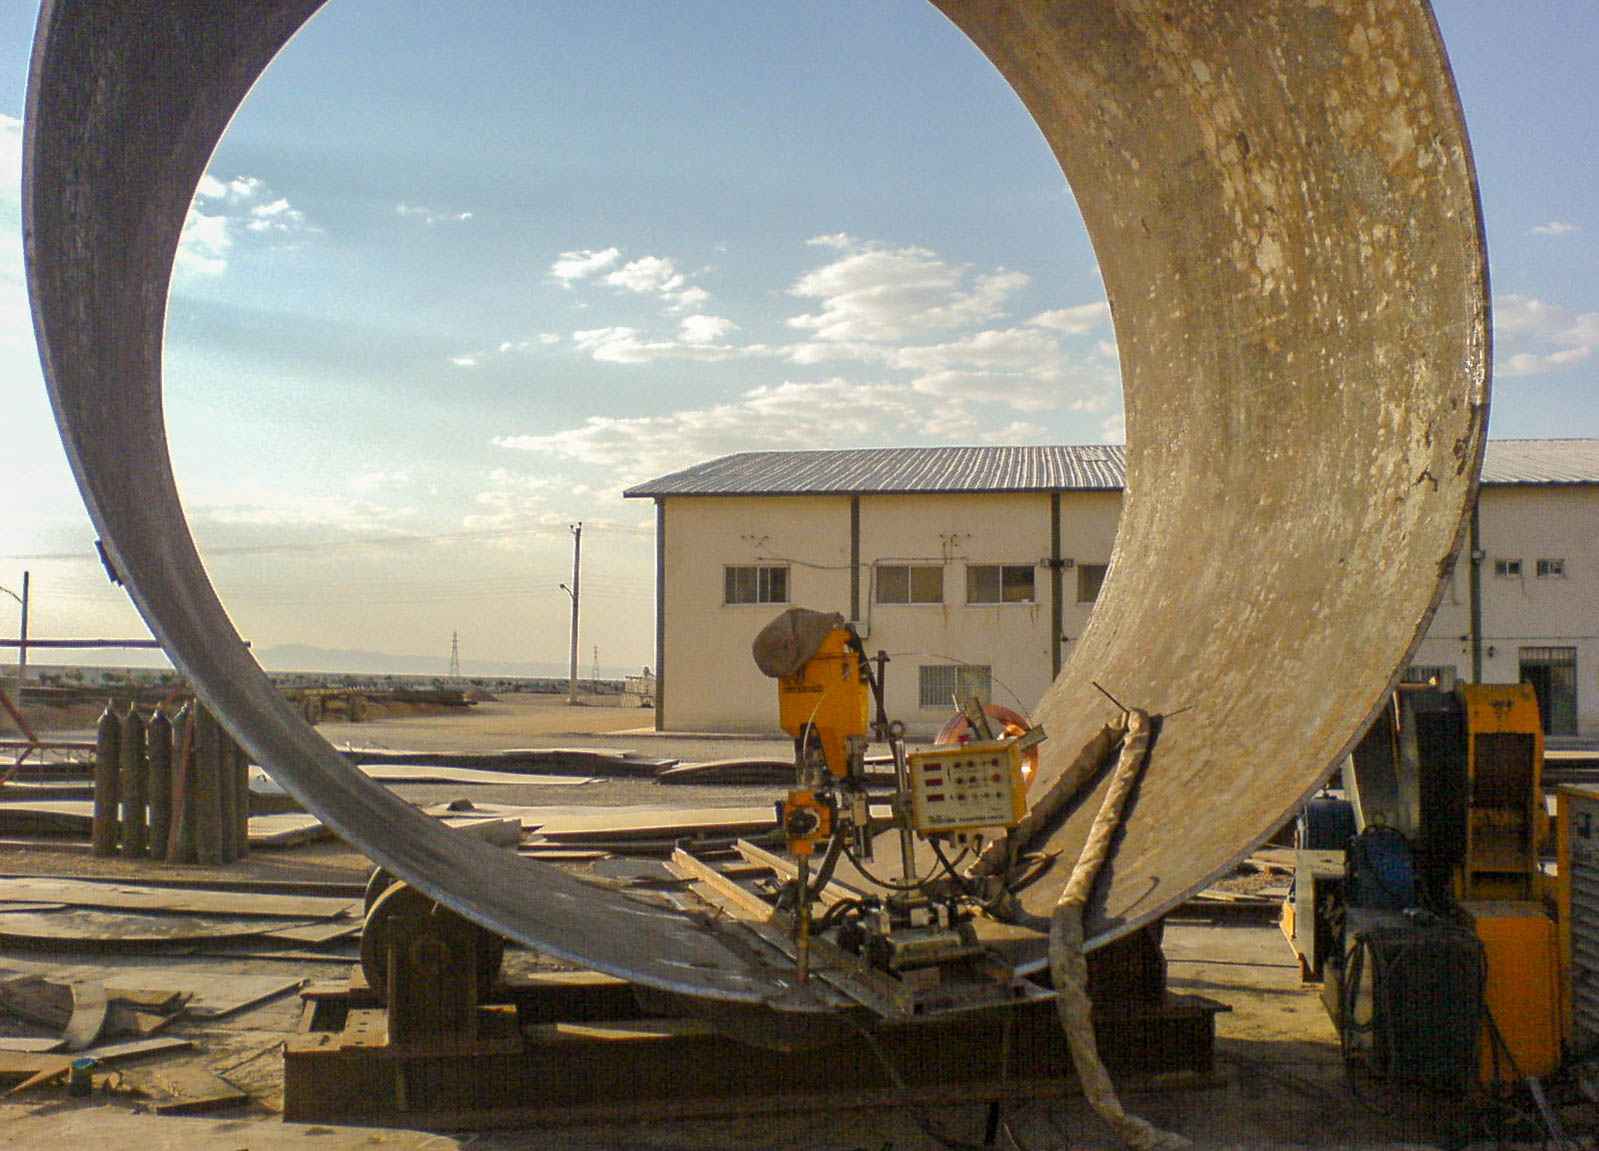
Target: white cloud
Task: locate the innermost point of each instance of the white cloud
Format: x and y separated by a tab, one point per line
655	275
514	505
225	210
875	292
1535	337
703	329
578	265
1018	432
623	345
469	360
1076	321
1556	228
378	481
429	216
793	414
1017	348
261	505
1531	364
203	248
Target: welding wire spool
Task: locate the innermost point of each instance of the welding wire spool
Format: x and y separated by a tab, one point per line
1068	967
107	782
158	780
133	783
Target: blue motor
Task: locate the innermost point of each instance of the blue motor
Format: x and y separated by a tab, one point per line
1380	871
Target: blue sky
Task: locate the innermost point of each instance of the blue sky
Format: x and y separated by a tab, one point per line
460	272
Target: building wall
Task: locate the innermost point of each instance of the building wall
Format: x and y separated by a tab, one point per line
1525	524
1012	639
710	681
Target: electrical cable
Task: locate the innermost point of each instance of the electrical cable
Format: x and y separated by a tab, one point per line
918	1112
915	885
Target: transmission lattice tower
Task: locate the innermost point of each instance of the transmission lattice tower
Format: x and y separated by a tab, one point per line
455	655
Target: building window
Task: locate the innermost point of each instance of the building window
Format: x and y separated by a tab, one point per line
999	583
1090	578
952	684
1551	568
1507	569
910	583
754	583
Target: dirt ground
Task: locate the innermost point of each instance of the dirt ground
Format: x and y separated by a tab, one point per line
1281	1080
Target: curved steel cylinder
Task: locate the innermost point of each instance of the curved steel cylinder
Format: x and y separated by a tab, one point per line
1283	206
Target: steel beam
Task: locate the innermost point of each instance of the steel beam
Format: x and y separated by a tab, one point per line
1283	206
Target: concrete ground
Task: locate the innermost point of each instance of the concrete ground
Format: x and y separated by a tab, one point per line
1281	1080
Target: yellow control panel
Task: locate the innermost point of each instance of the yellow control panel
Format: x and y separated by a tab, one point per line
967	786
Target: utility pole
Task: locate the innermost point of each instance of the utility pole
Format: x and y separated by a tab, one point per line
573	591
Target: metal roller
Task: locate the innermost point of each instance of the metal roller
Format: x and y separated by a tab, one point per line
1283	206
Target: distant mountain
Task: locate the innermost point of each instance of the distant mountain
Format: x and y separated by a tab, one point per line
304	657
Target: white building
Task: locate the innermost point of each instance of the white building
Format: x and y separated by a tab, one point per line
976	568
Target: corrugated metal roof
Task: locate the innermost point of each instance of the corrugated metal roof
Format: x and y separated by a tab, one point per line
1091	467
852	471
1541	462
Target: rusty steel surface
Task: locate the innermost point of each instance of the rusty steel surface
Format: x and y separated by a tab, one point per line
1281	198
1283	204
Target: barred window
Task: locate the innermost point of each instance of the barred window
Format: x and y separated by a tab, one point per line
999	583
910	583
754	583
1551	568
950	685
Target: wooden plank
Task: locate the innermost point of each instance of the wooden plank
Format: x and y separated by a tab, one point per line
725	891
833	892
38	1000
33	1069
135	897
214	994
434	773
324	932
27	1044
195	1090
127	930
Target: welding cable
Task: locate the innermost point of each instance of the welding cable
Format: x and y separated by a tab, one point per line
918	1112
834	913
914	885
824	873
1068	964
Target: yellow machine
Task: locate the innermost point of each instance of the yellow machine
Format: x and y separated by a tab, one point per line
826	688
1504	776
1446	810
824	702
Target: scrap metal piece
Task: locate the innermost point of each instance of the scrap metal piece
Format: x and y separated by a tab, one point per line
1282	202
